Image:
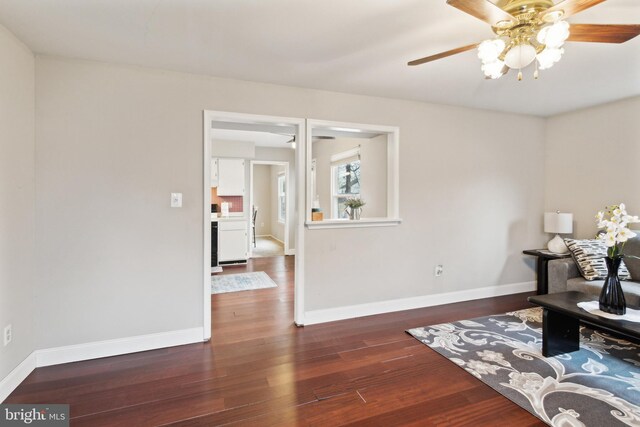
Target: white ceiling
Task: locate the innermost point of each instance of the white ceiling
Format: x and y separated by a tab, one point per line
349	46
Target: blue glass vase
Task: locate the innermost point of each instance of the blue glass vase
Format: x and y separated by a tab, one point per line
611	297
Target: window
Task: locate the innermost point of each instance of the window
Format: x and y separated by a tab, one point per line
346	185
282	199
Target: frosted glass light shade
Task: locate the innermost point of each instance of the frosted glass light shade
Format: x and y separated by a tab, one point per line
520	56
554	35
559	223
548	57
493	69
490	50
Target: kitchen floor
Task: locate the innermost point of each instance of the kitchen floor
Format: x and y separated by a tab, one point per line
267	246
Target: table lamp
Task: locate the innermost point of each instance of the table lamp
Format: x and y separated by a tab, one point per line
558	223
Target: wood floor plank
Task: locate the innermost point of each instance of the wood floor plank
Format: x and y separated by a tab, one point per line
261	370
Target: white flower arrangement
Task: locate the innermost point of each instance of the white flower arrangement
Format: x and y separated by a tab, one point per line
615	221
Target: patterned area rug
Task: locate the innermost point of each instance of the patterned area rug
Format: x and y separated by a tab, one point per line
599	385
224	283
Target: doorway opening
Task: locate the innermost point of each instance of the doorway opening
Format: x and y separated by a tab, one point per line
269	195
253	185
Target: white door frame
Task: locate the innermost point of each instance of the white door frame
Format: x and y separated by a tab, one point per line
208	117
287	217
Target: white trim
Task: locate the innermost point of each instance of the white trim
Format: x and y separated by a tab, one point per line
16	376
301	194
380	307
115	347
393	169
276	239
95	350
284	221
347	223
206	157
209	116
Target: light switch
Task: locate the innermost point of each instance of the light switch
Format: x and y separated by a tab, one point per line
176	200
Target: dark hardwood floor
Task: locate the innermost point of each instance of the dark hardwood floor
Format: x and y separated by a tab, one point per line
261	370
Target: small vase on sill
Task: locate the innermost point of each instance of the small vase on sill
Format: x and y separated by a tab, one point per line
354	213
611	297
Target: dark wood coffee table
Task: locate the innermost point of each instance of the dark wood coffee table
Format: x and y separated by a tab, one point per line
561	322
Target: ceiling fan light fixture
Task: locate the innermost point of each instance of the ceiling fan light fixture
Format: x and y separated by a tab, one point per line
553	16
490	50
520	56
493	70
548	57
554	35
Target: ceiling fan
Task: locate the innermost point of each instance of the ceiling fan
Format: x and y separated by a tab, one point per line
529	31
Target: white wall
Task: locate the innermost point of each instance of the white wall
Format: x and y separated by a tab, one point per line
114	141
592	159
262	198
17	200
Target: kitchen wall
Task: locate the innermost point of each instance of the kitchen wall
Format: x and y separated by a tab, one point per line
262	198
113	142
17	201
592	159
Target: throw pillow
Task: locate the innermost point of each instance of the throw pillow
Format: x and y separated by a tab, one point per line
589	256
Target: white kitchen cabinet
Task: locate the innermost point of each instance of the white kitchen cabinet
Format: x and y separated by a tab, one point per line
230	177
214	172
232	240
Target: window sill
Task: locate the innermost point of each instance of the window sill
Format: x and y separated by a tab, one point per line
347	223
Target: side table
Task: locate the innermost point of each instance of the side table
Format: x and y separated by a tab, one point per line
541	266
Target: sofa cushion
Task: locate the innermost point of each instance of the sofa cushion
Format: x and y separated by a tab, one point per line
594	287
632	249
589	255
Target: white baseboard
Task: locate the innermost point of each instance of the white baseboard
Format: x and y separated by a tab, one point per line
15	377
276	239
360	310
291	252
95	350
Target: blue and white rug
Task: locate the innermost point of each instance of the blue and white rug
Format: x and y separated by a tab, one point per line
224	283
599	385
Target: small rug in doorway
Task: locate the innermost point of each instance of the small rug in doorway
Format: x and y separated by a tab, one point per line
224	283
599	385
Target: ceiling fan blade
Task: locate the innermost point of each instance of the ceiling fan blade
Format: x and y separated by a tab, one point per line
442	54
484	10
601	33
571	7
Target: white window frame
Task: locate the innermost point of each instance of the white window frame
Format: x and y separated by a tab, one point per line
335	196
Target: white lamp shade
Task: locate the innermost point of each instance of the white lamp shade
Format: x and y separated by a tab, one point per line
559	223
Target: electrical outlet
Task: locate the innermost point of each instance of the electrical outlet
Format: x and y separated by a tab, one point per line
8	335
438	270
